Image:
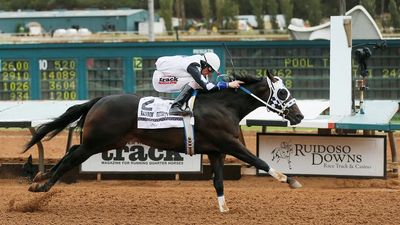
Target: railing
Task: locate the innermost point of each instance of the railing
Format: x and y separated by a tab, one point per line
175	35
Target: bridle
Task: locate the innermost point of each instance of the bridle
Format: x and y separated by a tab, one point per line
274	103
279	100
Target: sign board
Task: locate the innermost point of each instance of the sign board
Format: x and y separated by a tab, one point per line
303	154
142	159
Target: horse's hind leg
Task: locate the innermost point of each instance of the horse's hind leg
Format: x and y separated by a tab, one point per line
42	176
217	165
69	161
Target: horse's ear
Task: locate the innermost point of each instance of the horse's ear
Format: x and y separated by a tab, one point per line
271	76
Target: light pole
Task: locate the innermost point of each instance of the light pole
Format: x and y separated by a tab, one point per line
342	7
150	5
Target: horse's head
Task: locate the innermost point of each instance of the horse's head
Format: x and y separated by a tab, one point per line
275	95
281	101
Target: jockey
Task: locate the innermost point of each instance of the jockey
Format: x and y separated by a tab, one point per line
198	67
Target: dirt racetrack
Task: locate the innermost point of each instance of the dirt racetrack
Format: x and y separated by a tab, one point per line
252	200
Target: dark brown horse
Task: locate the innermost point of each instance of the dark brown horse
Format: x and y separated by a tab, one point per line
110	122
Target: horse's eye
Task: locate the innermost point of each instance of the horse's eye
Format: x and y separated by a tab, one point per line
282	94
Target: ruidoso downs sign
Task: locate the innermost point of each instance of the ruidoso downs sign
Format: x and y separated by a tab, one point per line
142	158
363	156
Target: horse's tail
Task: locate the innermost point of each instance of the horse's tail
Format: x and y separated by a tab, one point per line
57	125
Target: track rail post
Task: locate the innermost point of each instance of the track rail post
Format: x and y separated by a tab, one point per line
40	151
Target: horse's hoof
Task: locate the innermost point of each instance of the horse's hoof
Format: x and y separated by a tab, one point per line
224	210
293	183
36	187
40	176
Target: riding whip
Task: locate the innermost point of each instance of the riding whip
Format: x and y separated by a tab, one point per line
230	57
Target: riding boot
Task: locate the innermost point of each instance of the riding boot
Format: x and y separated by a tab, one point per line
183	97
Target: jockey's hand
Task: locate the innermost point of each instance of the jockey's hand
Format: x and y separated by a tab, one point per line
235	83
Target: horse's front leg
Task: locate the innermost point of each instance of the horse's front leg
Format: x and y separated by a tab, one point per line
217	165
246	156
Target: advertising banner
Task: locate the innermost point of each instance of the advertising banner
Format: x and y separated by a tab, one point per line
363	156
143	159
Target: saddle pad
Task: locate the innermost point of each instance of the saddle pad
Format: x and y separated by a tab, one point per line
153	114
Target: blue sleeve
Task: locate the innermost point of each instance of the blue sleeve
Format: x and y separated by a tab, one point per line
222	85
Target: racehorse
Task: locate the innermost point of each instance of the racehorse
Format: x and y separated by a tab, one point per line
110	122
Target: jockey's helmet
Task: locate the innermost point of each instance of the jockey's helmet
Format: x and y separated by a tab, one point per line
212	60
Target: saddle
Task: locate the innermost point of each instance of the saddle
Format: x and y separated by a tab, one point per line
153	114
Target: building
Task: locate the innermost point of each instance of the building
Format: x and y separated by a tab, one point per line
124	20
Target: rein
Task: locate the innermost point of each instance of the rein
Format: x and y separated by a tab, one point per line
285	105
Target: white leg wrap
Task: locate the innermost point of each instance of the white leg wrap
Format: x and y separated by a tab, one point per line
222	204
277	175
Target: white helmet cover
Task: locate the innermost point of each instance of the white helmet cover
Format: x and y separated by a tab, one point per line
213	60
